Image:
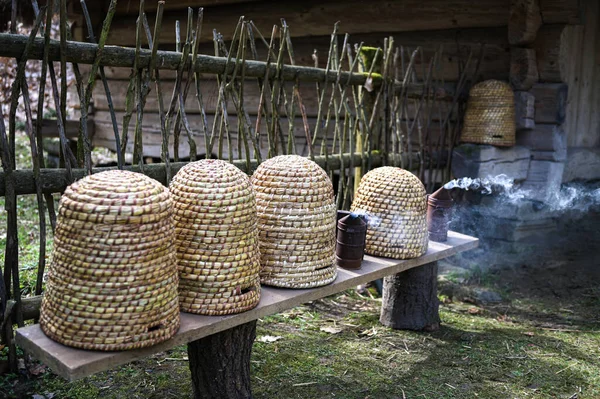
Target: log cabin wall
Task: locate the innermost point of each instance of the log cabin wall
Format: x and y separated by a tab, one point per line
547	49
411	23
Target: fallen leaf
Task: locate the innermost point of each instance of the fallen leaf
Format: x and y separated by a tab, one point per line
268	338
369	84
474	311
529	333
331	330
37	369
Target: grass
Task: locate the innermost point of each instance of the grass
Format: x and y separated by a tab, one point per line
478	352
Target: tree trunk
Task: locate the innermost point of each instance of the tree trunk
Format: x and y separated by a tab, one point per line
410	299
220	363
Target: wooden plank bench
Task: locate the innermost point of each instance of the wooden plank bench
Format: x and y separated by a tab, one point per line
200	331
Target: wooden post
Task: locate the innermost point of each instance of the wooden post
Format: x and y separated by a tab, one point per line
368	56
410	299
220	363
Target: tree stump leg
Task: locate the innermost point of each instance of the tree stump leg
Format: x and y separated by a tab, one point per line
220	363
410	299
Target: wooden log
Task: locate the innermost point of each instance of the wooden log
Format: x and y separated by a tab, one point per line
410	300
85	53
496	65
523	22
133	6
210	91
524	110
50	129
56	181
30	307
315	18
220	363
561	11
550	102
152	134
544	137
523	68
552	53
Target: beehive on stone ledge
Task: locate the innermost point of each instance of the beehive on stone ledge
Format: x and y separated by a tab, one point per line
112	279
394	201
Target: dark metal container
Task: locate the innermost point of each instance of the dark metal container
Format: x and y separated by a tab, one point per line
351	237
439	213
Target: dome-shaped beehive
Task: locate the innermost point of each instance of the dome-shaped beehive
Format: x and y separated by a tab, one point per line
216	238
296	223
490	114
394	201
112	279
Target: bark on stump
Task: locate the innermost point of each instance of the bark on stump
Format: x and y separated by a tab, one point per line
410	299
220	363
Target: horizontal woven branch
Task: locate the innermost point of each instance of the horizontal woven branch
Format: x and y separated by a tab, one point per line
85	53
56	181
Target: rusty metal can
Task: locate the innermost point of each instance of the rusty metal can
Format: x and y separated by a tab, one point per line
439	213
351	237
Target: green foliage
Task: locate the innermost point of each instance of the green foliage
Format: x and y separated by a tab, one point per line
367	55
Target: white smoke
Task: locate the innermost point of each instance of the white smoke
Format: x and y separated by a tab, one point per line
571	197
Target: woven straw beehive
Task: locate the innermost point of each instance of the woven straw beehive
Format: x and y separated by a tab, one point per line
395	204
296	223
490	115
216	238
112	280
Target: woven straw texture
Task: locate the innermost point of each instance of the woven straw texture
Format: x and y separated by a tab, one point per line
216	238
112	280
490	115
396	207
296	223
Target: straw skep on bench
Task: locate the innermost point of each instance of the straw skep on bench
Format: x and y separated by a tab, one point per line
216	341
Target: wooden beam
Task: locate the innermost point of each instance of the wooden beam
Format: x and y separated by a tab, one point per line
74	364
56	181
523	68
550	102
524	110
551	53
50	129
85	53
125	7
496	65
316	17
523	22
561	11
581	68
